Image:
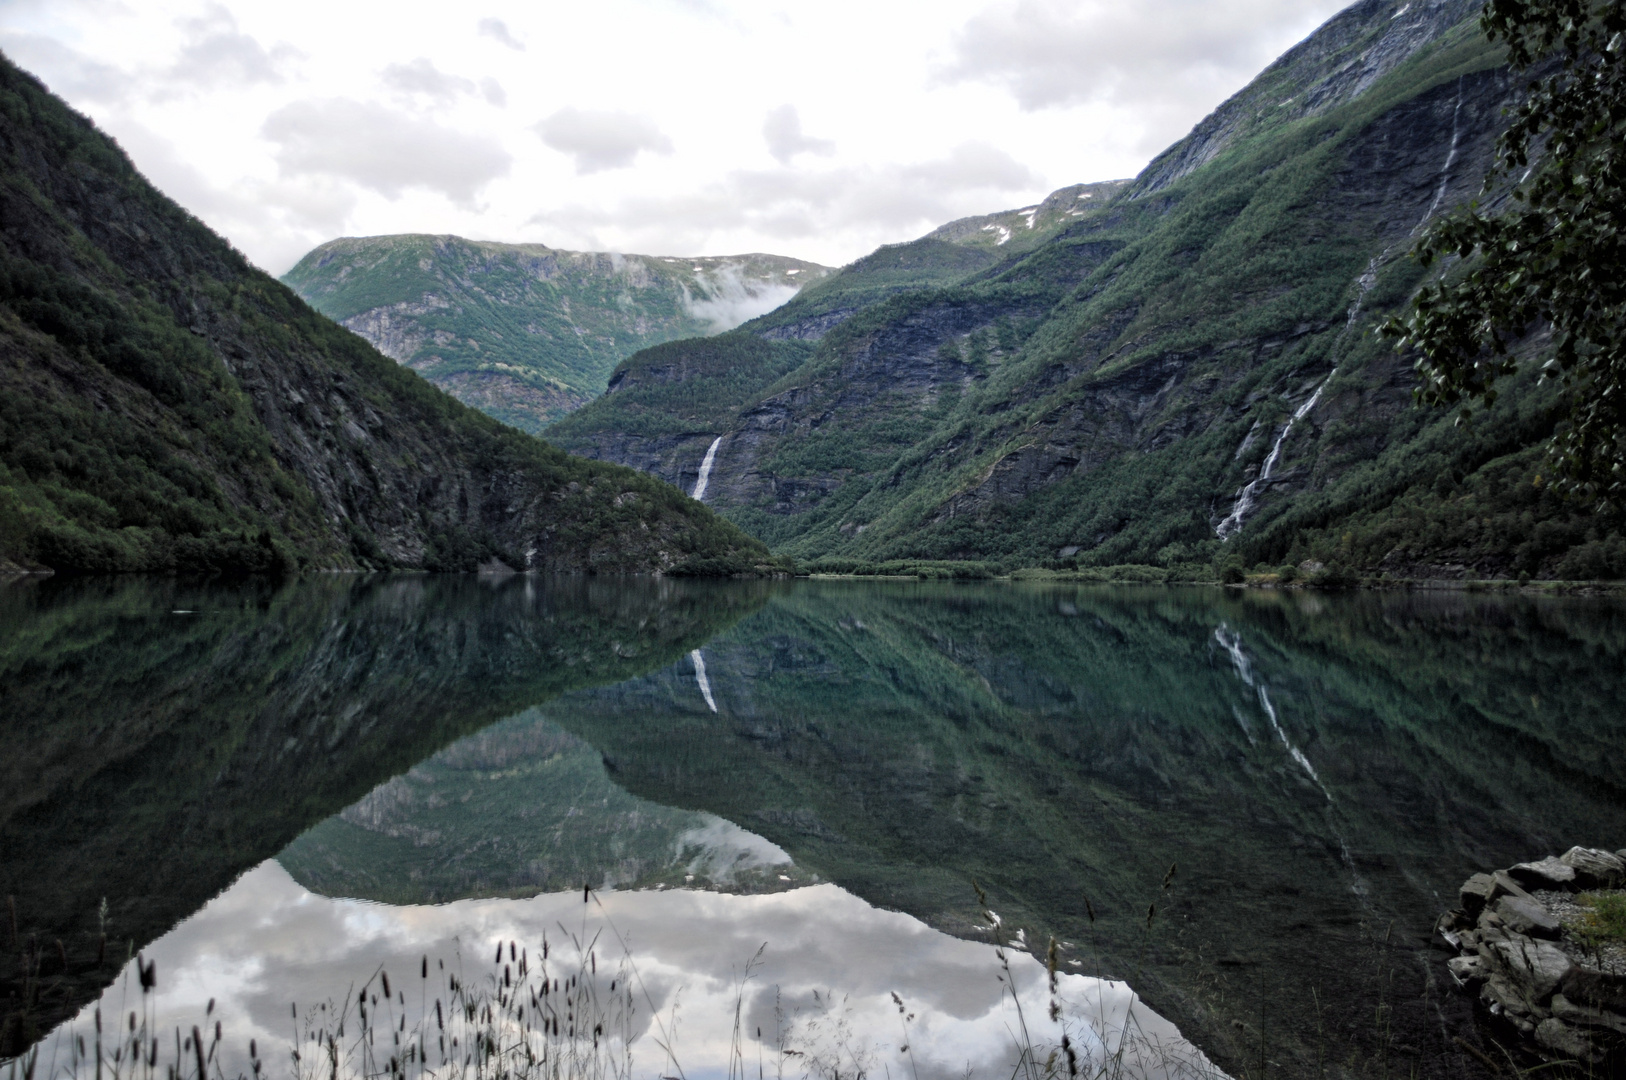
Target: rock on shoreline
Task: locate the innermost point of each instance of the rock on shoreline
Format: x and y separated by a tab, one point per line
1521	947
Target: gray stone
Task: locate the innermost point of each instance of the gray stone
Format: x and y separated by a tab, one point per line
1535	968
1502	998
1502	884
1562	1039
1595	869
1451	926
1476	892
1549	873
1574	1013
1467	970
1585	986
1527	917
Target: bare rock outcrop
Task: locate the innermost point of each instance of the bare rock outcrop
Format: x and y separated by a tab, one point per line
1530	944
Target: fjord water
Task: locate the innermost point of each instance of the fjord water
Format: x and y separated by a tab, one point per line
278	789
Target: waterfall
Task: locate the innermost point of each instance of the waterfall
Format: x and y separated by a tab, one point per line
700	493
1247	496
699	661
1450	160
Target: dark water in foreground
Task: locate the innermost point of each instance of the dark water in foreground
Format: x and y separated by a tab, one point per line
824	767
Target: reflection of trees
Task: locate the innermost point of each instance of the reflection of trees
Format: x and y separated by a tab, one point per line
1058	743
152	757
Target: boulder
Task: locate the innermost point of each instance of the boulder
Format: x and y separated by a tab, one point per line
1503	999
1451	926
1573	1013
1476	893
1549	873
1560	1038
1467	970
1595	869
1535	968
1503	884
1527	917
1584	986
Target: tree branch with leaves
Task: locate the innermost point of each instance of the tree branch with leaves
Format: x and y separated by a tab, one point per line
1554	259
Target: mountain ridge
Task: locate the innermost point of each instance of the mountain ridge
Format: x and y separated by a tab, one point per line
1197	344
527	332
167	407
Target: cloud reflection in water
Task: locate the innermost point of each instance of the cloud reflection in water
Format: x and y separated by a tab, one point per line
267	942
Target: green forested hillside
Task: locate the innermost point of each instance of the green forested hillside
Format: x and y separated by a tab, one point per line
523	332
1186	375
165	406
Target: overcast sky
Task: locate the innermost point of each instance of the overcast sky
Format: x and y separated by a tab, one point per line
667	127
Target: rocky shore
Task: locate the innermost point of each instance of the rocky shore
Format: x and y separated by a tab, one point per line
1535	943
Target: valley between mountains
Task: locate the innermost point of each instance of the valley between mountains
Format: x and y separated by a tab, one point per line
1177	372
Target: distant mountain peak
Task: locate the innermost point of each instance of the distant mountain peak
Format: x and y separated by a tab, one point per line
527	332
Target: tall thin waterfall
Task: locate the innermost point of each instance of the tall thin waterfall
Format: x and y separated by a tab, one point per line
1249	495
700	677
705	469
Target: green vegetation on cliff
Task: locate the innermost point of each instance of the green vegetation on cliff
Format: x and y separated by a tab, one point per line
164	406
1186	374
524	332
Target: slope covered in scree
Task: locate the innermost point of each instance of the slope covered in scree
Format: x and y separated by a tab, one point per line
1187	372
523	332
165	406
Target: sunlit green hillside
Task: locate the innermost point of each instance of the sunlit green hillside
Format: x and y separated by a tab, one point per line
525	332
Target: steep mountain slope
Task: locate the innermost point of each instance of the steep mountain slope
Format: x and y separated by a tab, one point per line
165	406
523	332
1186	372
663	406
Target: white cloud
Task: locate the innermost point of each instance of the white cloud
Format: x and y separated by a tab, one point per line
422	79
382	150
782	131
72	74
900	200
1169	60
498	31
601	140
272	121
217	52
728	299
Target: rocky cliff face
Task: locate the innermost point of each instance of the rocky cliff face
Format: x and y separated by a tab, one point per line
1187	371
166	406
524	332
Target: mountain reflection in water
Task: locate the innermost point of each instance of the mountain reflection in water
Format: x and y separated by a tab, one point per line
1249	806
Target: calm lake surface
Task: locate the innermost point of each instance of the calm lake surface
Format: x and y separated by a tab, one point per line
1238	814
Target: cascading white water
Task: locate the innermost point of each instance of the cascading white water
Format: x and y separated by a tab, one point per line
705	475
1450	160
700	668
1248	495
